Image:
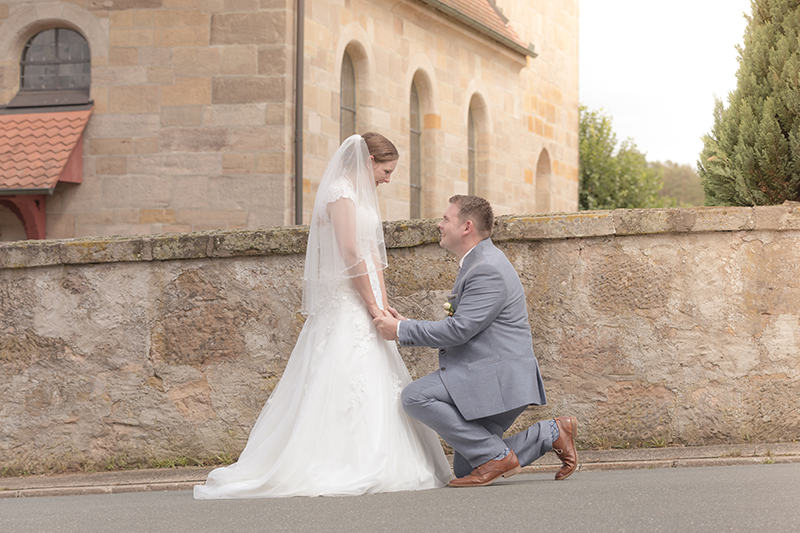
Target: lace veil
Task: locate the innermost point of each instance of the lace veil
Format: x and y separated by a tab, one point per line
346	235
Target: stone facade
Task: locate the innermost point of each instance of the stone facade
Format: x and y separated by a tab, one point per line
193	121
676	326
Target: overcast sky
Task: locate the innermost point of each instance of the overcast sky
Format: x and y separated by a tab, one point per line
656	66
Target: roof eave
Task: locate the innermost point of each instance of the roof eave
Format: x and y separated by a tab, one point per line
480	28
12	192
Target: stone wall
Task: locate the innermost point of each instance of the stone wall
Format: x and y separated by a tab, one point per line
676	325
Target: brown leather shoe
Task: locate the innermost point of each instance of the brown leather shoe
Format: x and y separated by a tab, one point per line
489	471
564	446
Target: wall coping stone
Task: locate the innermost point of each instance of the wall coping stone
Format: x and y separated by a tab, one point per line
286	240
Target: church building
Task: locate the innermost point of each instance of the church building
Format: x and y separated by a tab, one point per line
121	117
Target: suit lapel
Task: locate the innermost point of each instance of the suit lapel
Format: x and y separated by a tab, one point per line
472	258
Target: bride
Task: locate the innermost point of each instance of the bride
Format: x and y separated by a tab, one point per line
334	424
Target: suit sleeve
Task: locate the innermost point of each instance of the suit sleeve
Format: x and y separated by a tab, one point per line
480	302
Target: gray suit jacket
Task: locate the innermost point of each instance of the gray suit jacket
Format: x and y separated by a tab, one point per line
485	349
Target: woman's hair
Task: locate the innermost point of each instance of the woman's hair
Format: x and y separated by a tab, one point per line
476	209
380	147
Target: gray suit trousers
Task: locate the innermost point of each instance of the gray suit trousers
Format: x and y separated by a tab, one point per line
474	441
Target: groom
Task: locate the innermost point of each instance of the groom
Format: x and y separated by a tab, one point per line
487	372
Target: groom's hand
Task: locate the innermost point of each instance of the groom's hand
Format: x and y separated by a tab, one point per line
387	327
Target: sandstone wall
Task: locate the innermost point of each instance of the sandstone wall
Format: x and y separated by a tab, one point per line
679	325
193	121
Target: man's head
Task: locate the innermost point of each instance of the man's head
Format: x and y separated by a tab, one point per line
467	221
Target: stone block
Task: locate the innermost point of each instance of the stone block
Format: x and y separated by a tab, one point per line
190	192
248	28
245	90
131	37
87	230
120	19
250	192
181	116
196	62
61	226
126	216
723	218
273	60
238	163
106	216
187	91
213	6
122	57
278	115
179	37
116	165
252	139
433	122
175	18
122	146
176	228
160	75
210	227
777	217
234	115
273	163
193	139
242	6
116	192
175	165
122	5
146	145
239	60
184	4
133	100
156	216
150	191
211	216
551	113
155	57
119	76
143	18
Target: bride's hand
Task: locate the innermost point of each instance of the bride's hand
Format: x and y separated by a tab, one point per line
393	312
376	311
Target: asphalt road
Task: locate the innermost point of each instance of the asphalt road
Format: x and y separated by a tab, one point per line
711	499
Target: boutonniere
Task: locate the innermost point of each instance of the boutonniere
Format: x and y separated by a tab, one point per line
448	308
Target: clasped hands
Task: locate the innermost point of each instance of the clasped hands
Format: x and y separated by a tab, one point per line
386	322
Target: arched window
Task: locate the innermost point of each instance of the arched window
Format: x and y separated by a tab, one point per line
55	70
543	183
471	153
415	176
347	102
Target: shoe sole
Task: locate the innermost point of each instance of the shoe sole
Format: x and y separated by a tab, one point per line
508	473
573	425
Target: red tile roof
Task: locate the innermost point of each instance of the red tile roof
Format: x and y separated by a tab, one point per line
35	147
485	13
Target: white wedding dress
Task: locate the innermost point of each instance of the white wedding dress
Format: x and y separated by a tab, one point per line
334	424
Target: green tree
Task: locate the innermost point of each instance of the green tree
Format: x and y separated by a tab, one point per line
752	155
682	185
612	178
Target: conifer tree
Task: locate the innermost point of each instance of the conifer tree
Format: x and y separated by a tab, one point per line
611	177
752	155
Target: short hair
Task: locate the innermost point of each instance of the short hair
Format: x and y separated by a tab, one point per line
476	209
380	148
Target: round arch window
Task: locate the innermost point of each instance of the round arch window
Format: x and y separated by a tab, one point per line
55	60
